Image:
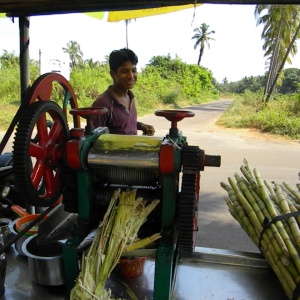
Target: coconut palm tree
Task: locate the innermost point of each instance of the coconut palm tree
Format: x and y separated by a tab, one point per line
75	53
202	37
91	63
281	28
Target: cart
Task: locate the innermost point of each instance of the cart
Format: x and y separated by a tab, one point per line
175	269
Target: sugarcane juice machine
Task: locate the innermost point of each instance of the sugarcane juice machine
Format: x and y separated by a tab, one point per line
152	165
86	165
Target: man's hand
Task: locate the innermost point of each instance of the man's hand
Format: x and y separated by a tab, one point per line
147	129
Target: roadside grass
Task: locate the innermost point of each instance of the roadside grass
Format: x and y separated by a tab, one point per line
281	116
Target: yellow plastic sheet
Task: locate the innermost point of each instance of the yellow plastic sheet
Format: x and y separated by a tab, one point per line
114	16
98	15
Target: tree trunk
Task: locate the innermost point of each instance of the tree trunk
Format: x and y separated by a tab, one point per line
200	55
273	63
282	65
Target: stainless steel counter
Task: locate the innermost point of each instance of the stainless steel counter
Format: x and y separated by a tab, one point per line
210	274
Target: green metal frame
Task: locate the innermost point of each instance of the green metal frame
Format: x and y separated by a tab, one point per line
85	191
167	256
167	253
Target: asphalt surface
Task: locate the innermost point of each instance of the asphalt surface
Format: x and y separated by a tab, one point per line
276	160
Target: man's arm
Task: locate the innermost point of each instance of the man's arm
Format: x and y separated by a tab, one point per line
147	129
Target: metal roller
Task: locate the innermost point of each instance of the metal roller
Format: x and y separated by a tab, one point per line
121	151
128	176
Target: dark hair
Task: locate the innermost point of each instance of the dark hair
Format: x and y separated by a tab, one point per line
119	57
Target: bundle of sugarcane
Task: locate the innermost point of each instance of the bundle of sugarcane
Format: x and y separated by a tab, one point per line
116	233
269	213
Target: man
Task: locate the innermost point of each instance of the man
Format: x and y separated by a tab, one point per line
119	99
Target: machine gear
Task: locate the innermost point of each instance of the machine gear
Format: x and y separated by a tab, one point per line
37	161
188	200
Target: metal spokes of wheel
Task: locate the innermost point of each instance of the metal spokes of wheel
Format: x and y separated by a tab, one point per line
188	200
38	161
43	88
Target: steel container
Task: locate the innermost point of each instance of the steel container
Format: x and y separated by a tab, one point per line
5	230
45	262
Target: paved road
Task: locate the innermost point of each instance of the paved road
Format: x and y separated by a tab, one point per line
276	160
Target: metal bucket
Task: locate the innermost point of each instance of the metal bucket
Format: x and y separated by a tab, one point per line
45	262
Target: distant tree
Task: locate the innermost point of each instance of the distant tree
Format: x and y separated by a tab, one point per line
91	64
106	59
281	28
252	84
8	59
167	65
202	37
225	80
75	53
290	81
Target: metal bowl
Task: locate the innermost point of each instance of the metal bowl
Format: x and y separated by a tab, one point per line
45	262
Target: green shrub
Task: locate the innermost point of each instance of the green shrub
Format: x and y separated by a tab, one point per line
280	116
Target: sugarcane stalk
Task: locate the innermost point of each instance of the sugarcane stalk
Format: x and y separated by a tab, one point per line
230	205
271	190
246	222
293	209
252	201
142	243
251	179
280	200
286	209
244	203
247	168
273	234
288	195
274	213
286	280
242	218
292	191
234	204
232	210
264	195
118	229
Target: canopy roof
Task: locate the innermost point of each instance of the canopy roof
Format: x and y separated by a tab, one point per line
46	7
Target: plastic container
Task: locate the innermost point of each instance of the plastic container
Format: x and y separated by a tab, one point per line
131	267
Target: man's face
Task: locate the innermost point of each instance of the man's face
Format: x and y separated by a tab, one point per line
126	76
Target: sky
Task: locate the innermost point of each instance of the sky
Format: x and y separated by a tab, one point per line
235	53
